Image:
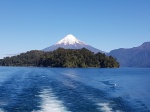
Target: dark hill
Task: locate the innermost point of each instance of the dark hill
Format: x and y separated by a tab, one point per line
133	57
82	58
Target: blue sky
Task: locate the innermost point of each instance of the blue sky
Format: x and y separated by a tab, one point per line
105	24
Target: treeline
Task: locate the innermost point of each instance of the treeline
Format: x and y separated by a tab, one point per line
82	58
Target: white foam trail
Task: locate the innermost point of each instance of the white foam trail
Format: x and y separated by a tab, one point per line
105	107
50	102
69	84
70	75
1	110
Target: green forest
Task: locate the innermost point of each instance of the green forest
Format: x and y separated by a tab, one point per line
80	58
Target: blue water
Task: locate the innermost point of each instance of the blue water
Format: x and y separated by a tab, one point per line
74	90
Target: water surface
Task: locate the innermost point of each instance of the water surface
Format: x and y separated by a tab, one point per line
25	89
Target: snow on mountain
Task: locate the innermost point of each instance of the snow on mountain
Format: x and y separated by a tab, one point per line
71	42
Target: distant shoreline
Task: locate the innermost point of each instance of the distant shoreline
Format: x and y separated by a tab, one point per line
64	67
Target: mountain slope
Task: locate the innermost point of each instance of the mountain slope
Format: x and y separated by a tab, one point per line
133	57
70	42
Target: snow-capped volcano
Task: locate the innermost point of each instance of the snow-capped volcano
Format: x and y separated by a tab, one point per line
71	42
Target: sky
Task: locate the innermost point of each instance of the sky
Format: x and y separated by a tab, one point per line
104	24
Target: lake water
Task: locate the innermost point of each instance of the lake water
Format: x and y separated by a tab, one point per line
74	90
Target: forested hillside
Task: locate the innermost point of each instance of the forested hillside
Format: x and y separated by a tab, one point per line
61	58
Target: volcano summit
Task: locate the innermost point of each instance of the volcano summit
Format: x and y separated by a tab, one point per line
71	42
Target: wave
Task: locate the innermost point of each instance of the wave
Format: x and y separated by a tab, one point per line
1	110
105	107
109	84
50	102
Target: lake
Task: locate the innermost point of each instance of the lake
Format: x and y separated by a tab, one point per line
31	89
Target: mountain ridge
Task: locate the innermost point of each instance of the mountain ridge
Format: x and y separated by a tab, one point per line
133	57
71	42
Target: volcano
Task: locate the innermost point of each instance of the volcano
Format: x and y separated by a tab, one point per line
71	42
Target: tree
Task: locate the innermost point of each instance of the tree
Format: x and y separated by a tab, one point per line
61	58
